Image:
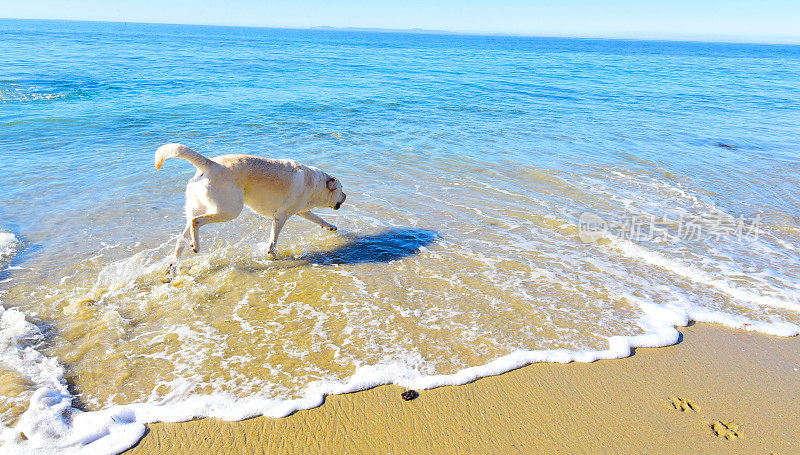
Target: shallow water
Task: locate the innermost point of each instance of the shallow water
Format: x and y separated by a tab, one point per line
469	163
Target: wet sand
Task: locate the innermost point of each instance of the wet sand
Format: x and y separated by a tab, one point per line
718	391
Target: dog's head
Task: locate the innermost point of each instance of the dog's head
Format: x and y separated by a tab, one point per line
336	197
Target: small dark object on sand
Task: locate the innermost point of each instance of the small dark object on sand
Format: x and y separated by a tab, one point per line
409	395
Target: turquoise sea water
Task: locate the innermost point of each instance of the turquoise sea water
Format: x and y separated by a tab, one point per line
84	104
468	162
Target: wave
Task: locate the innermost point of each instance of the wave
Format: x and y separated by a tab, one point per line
15	95
16	92
8	245
22	362
52	424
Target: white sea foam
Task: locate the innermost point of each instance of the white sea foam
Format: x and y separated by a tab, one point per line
8	244
51	425
10	94
700	276
47	415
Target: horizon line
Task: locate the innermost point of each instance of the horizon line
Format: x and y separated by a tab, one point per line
421	31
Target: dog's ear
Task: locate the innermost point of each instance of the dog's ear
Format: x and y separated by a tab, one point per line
331	183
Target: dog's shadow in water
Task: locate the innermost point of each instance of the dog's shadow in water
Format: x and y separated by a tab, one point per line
386	246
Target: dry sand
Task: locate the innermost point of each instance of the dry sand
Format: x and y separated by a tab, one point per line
718	391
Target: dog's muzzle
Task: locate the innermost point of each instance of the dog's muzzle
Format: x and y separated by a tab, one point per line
339	204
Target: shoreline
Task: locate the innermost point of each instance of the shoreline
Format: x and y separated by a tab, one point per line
718	389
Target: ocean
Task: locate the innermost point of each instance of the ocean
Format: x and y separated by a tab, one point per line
510	200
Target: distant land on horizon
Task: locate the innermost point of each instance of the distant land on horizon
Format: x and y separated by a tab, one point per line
393	30
423	31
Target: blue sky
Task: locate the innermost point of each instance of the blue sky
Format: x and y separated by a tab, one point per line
727	20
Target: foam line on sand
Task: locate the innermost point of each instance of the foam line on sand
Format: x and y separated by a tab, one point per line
719	390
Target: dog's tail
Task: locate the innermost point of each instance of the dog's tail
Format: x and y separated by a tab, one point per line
182	151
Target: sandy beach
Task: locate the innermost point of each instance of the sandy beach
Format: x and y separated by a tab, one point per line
718	391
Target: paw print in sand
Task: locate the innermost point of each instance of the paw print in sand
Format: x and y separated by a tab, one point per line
725	430
683	405
719	428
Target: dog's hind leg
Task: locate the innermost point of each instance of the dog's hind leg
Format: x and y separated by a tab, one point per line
277	224
194	226
180	243
209	201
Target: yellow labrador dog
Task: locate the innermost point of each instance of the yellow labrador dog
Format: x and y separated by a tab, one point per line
276	189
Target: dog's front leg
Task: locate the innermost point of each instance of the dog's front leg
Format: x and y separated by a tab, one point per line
311	216
277	224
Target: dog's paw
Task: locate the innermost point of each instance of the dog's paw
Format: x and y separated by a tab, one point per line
272	251
330	227
194	248
169	274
